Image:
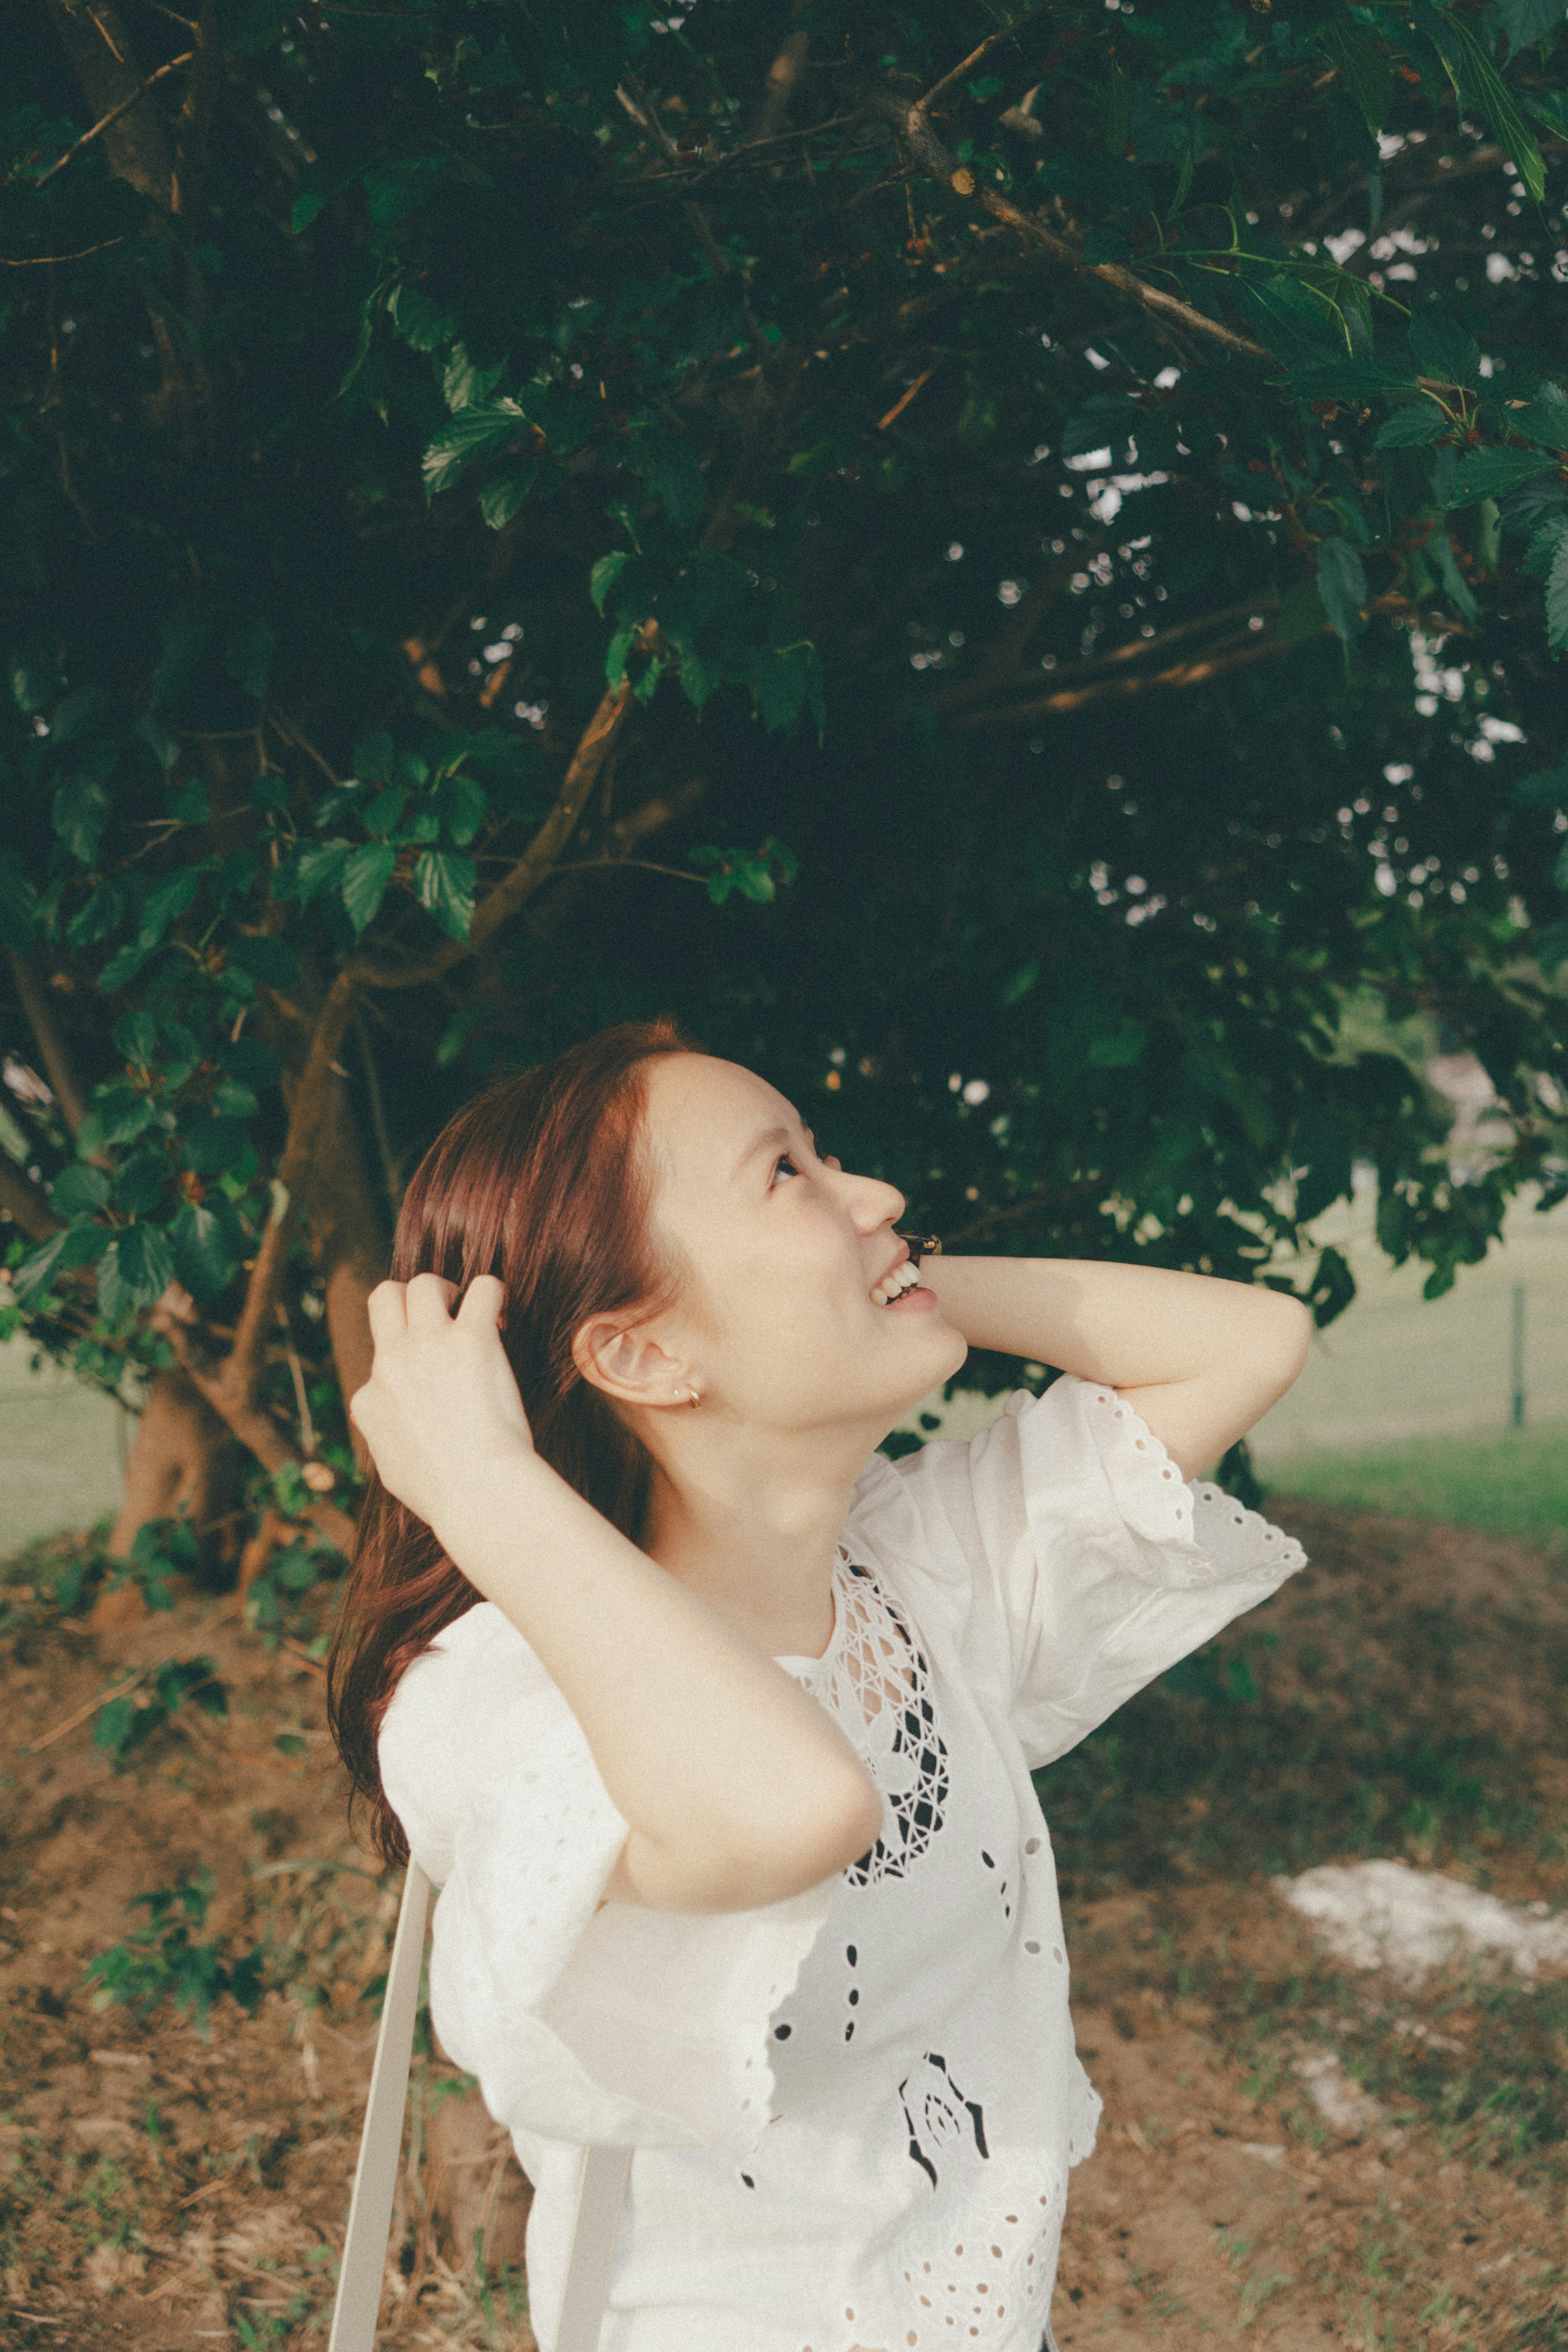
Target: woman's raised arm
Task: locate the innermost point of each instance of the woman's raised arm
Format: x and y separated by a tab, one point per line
1198	1359
738	1789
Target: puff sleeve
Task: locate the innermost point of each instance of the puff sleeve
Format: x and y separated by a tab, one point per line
1086	1552
618	2025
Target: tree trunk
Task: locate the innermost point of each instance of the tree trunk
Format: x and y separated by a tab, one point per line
348	1238
175	1463
474	2184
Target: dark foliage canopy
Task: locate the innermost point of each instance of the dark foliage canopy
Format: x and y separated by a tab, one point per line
1005	569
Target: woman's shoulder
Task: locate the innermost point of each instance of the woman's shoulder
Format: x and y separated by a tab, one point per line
458	1692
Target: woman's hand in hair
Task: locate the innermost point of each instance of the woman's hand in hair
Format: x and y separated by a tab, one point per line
440	1408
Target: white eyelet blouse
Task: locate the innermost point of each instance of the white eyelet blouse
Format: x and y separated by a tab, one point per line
853	2114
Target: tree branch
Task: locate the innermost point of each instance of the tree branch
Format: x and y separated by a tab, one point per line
103	59
1229	654
587	764
1136	649
51	1046
914	132
939	89
251	1423
27	1202
104	121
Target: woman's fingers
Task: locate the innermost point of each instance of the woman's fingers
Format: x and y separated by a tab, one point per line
482	1303
387	1310
430	1298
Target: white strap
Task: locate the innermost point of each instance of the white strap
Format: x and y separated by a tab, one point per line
601	2189
380	2142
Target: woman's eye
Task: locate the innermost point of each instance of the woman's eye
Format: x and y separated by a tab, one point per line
784	1166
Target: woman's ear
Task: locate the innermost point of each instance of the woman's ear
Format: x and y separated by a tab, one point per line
629	1365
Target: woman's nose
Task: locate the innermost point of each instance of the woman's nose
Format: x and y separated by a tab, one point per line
876	1203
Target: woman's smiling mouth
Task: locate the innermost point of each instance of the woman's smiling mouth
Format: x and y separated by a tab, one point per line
896	1283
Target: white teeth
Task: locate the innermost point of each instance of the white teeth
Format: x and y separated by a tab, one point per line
894	1286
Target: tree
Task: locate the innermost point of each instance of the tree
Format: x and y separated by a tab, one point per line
933	546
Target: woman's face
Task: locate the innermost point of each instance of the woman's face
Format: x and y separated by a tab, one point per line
782	1251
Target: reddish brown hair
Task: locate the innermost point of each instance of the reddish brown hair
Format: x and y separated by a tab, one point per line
541	1180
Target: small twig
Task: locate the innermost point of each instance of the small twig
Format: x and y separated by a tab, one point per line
302	1403
626	866
291	734
113	116
83	1713
210	2191
939	89
50	260
298	1650
899	406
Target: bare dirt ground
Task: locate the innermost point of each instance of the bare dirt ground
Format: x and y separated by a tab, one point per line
159	2189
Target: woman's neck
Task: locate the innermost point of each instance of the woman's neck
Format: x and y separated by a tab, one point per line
749	1522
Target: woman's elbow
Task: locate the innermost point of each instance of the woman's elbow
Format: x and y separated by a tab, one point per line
1290	1329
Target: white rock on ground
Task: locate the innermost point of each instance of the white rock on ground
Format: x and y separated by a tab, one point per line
1337	2096
1375	1914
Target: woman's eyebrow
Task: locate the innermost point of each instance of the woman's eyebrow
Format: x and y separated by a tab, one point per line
777	1137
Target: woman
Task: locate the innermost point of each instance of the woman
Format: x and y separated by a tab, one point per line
717	1727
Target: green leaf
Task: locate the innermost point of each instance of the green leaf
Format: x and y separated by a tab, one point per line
61	1253
1557	598
118	1116
1546	418
206	1246
462	804
165	747
1301	616
1492	473
604	574
78	1190
211	1145
1413	425
1363	68
173	897
82	810
444	885
139	1183
1548	106
134	1270
1443	350
381	817
1496	102
1454	580
619	645
18	905
304	210
136	1037
247	656
487	429
1119	1048
499	500
319	867
1341	586
1542	551
673	469
1528	21
365	878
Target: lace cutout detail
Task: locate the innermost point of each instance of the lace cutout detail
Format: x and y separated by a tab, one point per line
874	1679
971	2267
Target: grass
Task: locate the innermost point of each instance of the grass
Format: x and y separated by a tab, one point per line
1512	1483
